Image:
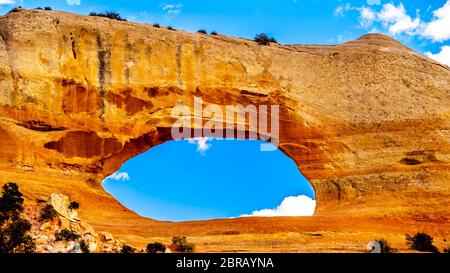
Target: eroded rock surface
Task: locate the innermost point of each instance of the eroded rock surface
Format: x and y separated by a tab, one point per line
45	231
367	122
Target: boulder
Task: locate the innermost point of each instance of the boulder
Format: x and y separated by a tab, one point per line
43	239
70	247
86	228
45	226
92	247
61	204
106	236
59	247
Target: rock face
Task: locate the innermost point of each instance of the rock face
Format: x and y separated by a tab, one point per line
44	231
367	122
61	204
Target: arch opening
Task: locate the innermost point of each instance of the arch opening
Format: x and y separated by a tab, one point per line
204	178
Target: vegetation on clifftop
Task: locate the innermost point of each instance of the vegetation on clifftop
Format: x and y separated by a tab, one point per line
108	14
264	39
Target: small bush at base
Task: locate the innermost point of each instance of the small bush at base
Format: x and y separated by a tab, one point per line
202	31
171	28
180	244
48	8
48	213
156	25
213	33
74	205
11	203
385	247
14	236
421	242
66	235
84	246
156	248
127	249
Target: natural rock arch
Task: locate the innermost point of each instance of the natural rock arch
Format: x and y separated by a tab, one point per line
367	122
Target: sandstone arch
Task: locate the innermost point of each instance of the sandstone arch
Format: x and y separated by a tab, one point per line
367	122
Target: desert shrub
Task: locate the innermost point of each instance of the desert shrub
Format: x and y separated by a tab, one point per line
447	250
11	203
421	242
213	33
38	8
84	246
48	213
66	235
48	8
128	249
264	39
156	25
385	246
180	244
202	31
156	248
74	205
108	14
14	236
16	9
171	28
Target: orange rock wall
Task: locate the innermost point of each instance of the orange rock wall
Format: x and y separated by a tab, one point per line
367	122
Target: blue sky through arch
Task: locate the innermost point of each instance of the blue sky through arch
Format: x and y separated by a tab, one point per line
182	180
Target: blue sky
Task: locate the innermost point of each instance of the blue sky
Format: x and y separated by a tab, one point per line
203	180
181	180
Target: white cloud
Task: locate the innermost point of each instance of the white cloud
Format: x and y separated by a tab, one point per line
391	13
172	9
397	20
171	6
118	176
291	206
394	18
7	2
73	2
202	144
342	9
439	28
367	16
442	57
339	11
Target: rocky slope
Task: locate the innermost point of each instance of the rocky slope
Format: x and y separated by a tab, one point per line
45	231
367	122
